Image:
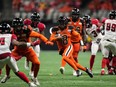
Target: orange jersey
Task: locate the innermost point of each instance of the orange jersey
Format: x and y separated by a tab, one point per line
77	27
66	38
25	35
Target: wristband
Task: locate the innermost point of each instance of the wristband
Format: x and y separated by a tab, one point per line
81	42
28	44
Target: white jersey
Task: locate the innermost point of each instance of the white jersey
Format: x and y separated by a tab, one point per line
5	41
110	30
94	35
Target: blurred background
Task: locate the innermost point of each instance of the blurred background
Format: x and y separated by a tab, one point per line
51	9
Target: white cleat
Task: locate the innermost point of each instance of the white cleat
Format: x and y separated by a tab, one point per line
78	73
31	73
35	80
74	73
62	70
31	84
4	79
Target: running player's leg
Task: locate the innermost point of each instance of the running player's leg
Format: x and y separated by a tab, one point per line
76	50
94	49
105	53
37	51
31	56
13	65
7	76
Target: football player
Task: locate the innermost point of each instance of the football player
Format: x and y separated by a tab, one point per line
39	27
75	21
62	35
94	33
6	38
109	40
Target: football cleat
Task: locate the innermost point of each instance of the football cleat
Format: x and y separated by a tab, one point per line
31	73
62	69
31	84
35	81
114	71
102	72
78	73
110	72
89	72
74	73
4	79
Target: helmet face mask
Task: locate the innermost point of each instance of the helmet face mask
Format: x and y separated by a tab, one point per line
35	17
63	21
17	24
75	14
112	14
5	28
87	18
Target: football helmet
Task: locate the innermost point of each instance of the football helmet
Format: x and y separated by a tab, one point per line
5	28
17	22
112	14
35	17
75	14
87	18
62	22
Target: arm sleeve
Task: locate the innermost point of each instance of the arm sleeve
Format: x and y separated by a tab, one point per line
41	26
52	38
13	37
38	35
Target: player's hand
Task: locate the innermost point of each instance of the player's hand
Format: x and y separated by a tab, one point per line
49	43
83	48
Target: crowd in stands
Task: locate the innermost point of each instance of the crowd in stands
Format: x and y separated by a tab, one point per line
51	9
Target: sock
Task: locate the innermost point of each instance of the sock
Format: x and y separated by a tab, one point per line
70	62
92	61
107	63
81	67
7	70
114	61
78	65
36	69
32	67
22	76
104	61
63	63
76	59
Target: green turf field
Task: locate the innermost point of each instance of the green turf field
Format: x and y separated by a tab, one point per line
49	75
